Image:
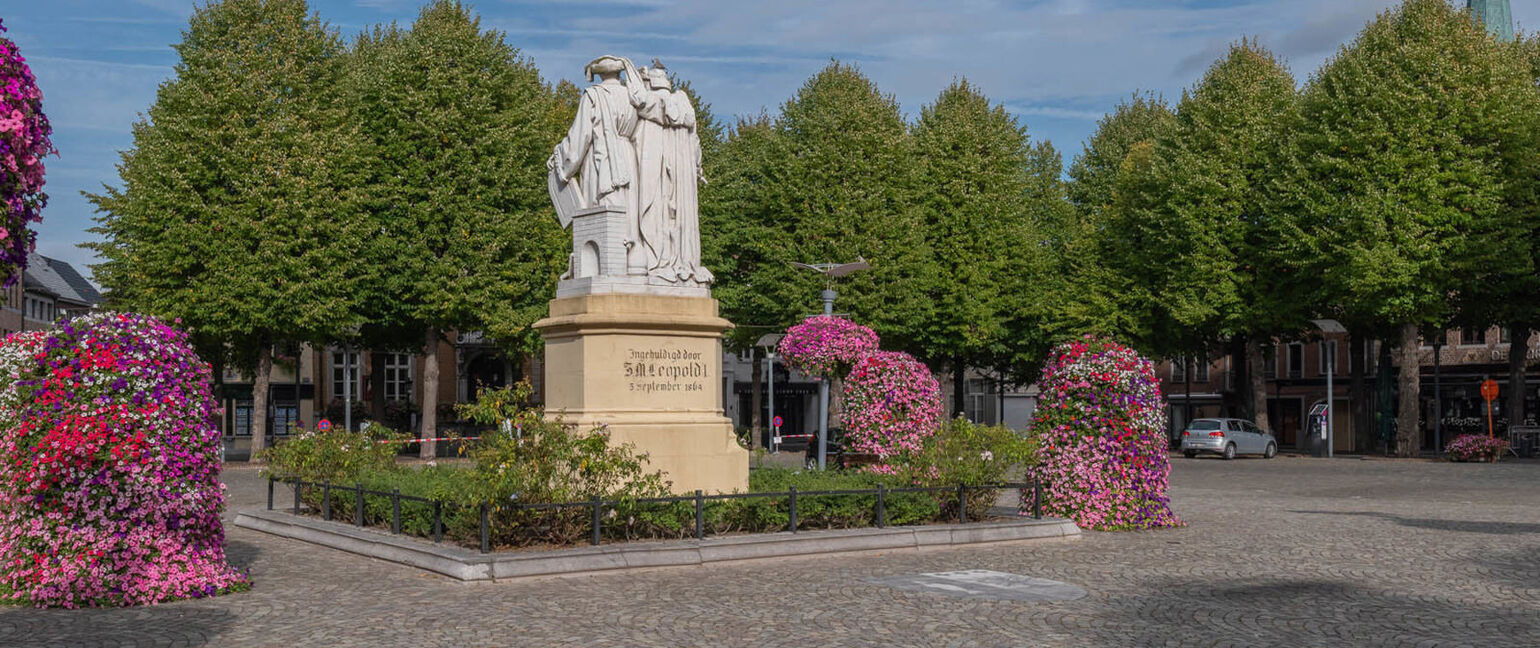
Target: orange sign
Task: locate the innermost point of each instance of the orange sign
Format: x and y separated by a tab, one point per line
1489	389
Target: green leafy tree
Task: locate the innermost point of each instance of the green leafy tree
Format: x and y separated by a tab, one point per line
831	178
1094	173
974	167
1413	142
464	238
237	211
1091	293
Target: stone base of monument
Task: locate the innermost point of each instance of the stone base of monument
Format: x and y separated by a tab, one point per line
648	368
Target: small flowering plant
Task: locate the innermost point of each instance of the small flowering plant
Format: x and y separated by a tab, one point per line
892	404
826	346
109	466
1101	441
1476	447
24	142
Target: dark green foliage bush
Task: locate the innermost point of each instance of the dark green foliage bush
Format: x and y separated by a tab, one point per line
335	456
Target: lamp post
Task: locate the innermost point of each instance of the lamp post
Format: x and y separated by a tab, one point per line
1330	326
830	271
769	342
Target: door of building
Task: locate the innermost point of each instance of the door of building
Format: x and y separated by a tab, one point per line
1285	415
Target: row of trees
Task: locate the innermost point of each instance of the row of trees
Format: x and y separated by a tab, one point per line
289	186
1395	192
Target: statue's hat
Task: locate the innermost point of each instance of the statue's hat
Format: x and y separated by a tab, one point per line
604	65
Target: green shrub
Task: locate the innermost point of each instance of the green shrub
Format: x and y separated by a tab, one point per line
336	456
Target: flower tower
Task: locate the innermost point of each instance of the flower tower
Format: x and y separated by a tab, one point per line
1100	426
109	466
892	404
24	142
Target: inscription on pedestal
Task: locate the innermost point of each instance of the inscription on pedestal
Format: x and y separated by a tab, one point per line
663	369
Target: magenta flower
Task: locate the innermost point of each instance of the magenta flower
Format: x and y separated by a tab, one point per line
24	142
826	346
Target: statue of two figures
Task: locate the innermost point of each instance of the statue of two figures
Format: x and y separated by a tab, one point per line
633	149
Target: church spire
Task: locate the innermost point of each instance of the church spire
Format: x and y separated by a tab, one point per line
1497	15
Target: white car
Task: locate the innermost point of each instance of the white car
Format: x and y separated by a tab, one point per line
1227	438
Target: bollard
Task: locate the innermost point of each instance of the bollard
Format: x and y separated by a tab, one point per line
269	493
792	517
486	538
438	522
1037	499
596	522
298	484
700	516
358	506
962	504
395	510
326	500
882	510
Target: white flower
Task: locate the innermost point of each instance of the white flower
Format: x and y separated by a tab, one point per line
987	455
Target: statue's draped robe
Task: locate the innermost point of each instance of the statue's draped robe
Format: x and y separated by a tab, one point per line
668	166
597	149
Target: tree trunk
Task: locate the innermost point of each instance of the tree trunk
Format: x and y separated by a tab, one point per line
259	397
959	387
1358	400
429	392
1518	361
1408	432
377	387
756	396
1256	377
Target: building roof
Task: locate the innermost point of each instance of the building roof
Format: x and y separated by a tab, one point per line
59	279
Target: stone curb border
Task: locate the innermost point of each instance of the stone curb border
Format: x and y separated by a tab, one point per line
467	565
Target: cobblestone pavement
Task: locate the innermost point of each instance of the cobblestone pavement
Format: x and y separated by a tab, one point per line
1287	552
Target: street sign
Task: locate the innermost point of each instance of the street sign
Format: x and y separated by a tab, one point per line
775	421
324	425
1489	389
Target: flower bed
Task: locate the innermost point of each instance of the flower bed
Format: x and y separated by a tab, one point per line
109	467
1100	430
1476	447
24	142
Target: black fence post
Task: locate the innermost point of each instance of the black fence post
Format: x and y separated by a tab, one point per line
358	506
326	500
298	484
270	492
700	516
438	522
395	510
792	516
596	521
882	509
1037	499
486	538
962	504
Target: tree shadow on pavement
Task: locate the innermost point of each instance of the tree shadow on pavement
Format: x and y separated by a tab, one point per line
1304	612
1468	526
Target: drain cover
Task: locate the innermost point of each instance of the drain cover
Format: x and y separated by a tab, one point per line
983	583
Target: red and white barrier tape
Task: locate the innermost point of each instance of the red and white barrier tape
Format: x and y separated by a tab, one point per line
474	438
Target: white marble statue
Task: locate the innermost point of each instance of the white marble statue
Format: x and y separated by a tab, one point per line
634	148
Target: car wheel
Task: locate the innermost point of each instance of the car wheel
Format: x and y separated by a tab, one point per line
1229	452
1189	453
1272	451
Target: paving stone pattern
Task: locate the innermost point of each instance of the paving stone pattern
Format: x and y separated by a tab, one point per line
1287	552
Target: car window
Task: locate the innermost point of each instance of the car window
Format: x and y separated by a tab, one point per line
1247	426
1234	426
1204	424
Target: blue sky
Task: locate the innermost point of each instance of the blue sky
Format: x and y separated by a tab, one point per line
1057	64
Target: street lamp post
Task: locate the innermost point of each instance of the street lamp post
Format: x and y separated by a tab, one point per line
830	271
1330	326
769	342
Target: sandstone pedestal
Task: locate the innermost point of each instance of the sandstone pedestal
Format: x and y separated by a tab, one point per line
649	368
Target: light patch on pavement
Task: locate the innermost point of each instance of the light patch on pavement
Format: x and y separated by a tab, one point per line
984	583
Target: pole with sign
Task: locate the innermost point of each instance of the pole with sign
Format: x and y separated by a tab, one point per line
1489	392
